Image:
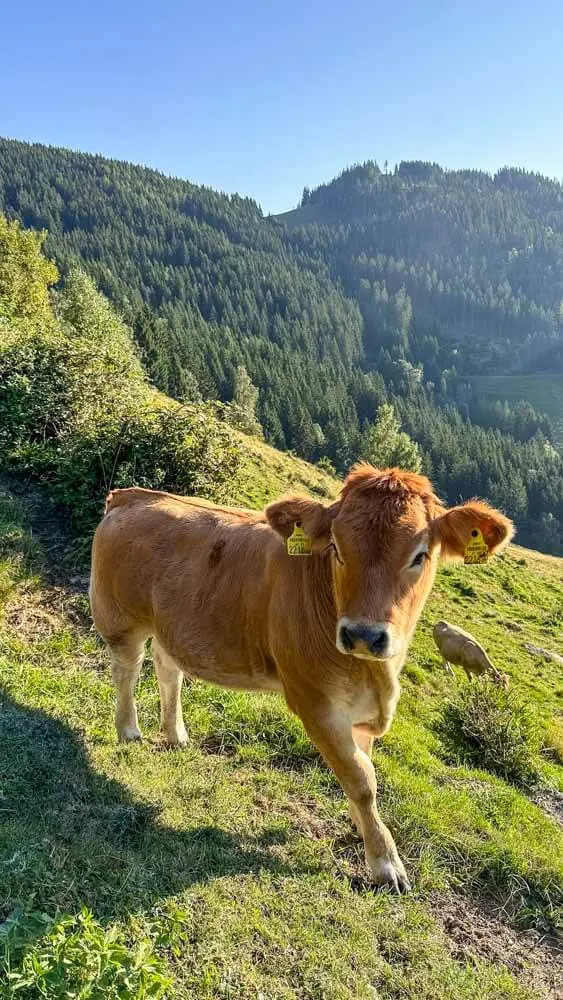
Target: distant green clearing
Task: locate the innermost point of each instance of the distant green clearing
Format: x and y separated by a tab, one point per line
544	392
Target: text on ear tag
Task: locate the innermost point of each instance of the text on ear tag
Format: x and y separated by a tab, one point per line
298	543
476	550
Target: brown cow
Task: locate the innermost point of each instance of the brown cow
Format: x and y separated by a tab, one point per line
223	600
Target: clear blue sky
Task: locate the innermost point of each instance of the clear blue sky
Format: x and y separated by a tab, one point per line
263	98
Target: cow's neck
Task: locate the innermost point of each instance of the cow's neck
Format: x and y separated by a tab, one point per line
318	611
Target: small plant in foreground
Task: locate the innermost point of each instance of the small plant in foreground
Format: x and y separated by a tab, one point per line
488	727
66	956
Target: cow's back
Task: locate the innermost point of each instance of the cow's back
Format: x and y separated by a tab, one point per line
192	573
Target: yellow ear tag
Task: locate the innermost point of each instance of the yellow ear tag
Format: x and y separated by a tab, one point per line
298	543
476	550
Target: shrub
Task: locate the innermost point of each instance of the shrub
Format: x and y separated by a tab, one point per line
78	415
68	956
25	275
179	449
326	466
552	747
487	727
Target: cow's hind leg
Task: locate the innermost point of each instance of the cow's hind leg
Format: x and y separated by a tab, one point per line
170	679
126	661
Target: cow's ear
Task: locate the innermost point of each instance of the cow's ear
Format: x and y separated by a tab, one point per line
314	518
453	528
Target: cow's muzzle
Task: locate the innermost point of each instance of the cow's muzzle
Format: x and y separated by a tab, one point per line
373	641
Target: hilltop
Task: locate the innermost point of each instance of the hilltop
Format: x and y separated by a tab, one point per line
479	255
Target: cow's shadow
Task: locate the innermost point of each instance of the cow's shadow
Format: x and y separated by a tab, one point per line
70	836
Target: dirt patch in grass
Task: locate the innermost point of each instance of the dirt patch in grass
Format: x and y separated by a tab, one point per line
303	814
38	614
474	932
551	801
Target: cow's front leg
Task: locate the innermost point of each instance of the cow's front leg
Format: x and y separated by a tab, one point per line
332	733
365	742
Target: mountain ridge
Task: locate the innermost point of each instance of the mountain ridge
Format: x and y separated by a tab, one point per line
329	324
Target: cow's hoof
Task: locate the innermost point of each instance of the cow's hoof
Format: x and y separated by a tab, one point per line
129	734
391	875
178	738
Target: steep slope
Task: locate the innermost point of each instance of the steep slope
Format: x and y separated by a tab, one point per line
230	869
204	281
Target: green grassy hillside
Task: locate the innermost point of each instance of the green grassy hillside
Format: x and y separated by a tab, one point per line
266	473
230	869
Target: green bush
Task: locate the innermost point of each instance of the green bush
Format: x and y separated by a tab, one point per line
552	746
78	415
83	421
25	275
68	956
487	727
179	449
326	466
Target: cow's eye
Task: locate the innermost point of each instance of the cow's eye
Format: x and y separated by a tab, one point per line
418	559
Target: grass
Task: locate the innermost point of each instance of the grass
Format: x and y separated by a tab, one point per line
544	392
266	474
230	869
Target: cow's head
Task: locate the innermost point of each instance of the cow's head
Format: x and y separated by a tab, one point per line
386	531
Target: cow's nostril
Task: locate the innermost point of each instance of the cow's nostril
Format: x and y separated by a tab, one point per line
346	638
379	642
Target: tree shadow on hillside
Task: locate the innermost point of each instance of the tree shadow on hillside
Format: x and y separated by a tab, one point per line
72	837
60	558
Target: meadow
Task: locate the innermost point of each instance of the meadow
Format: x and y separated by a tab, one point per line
230	869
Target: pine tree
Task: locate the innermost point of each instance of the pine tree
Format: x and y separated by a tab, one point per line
385	444
241	412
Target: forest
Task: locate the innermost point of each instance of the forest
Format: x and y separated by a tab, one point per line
478	257
385	289
230	868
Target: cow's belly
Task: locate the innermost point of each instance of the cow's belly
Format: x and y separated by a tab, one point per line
233	667
233	677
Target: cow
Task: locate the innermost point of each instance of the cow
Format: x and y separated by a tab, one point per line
460	647
223	600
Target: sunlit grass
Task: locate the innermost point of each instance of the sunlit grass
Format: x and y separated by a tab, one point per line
231	868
